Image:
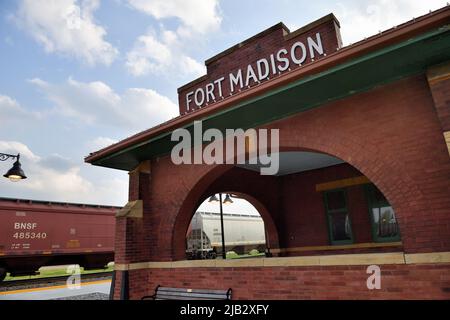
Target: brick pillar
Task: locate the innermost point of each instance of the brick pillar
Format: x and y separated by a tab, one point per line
439	82
129	241
439	218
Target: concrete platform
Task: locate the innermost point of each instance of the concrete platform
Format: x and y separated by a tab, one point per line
95	290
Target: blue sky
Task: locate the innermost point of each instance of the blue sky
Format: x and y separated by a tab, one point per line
79	75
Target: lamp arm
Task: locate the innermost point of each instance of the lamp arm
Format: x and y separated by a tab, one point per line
6	156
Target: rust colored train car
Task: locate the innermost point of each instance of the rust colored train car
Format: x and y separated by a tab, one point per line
38	233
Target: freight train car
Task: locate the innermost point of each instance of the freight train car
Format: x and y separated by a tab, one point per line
38	233
242	234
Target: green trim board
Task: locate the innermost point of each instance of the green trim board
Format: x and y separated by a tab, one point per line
408	58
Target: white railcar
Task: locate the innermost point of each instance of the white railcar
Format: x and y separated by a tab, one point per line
242	233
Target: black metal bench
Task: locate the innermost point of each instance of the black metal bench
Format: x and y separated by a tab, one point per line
166	293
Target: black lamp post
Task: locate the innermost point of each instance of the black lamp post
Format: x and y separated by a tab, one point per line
15	173
227	200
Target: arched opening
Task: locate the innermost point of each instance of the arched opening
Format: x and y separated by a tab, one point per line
327	203
316	204
226	225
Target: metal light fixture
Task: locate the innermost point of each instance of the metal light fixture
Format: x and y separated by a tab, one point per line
213	198
227	200
15	173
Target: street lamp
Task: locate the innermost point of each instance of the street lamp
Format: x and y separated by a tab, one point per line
227	200
15	173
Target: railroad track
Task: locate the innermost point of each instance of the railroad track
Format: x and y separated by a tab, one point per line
44	282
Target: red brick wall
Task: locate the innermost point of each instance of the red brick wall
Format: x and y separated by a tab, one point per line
305	222
331	282
391	134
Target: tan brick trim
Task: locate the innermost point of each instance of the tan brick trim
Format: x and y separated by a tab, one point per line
143	167
328	260
438	73
366	245
420	258
447	140
133	209
342	183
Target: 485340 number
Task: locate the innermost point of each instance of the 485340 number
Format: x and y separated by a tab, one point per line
30	235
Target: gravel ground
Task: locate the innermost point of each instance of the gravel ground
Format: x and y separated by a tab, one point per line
90	296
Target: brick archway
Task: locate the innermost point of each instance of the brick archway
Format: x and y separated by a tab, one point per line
210	183
271	231
399	193
204	189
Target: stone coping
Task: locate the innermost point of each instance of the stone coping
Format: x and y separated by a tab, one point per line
304	261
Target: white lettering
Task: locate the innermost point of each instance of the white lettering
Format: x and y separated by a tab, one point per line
74	280
283	59
181	152
240	147
210	92
25	225
240	137
198	143
293	57
219	85
315	45
235	80
272	160
272	64
259	65
213	152
202	100
250	75
188	100
374	280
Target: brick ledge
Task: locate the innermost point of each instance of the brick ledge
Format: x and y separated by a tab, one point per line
328	260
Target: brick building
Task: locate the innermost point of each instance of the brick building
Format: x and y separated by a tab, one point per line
364	168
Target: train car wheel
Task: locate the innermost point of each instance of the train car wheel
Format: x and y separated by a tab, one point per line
211	255
2	274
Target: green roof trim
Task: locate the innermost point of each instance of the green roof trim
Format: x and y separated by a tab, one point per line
392	63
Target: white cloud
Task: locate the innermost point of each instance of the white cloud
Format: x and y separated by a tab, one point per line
14	147
164	56
56	178
96	103
361	19
198	15
12	113
43	178
66	27
100	143
166	52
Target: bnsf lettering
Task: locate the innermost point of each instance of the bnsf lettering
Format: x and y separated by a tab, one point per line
25	225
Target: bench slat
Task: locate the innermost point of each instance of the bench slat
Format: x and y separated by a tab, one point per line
163	297
169	293
167	289
193	295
